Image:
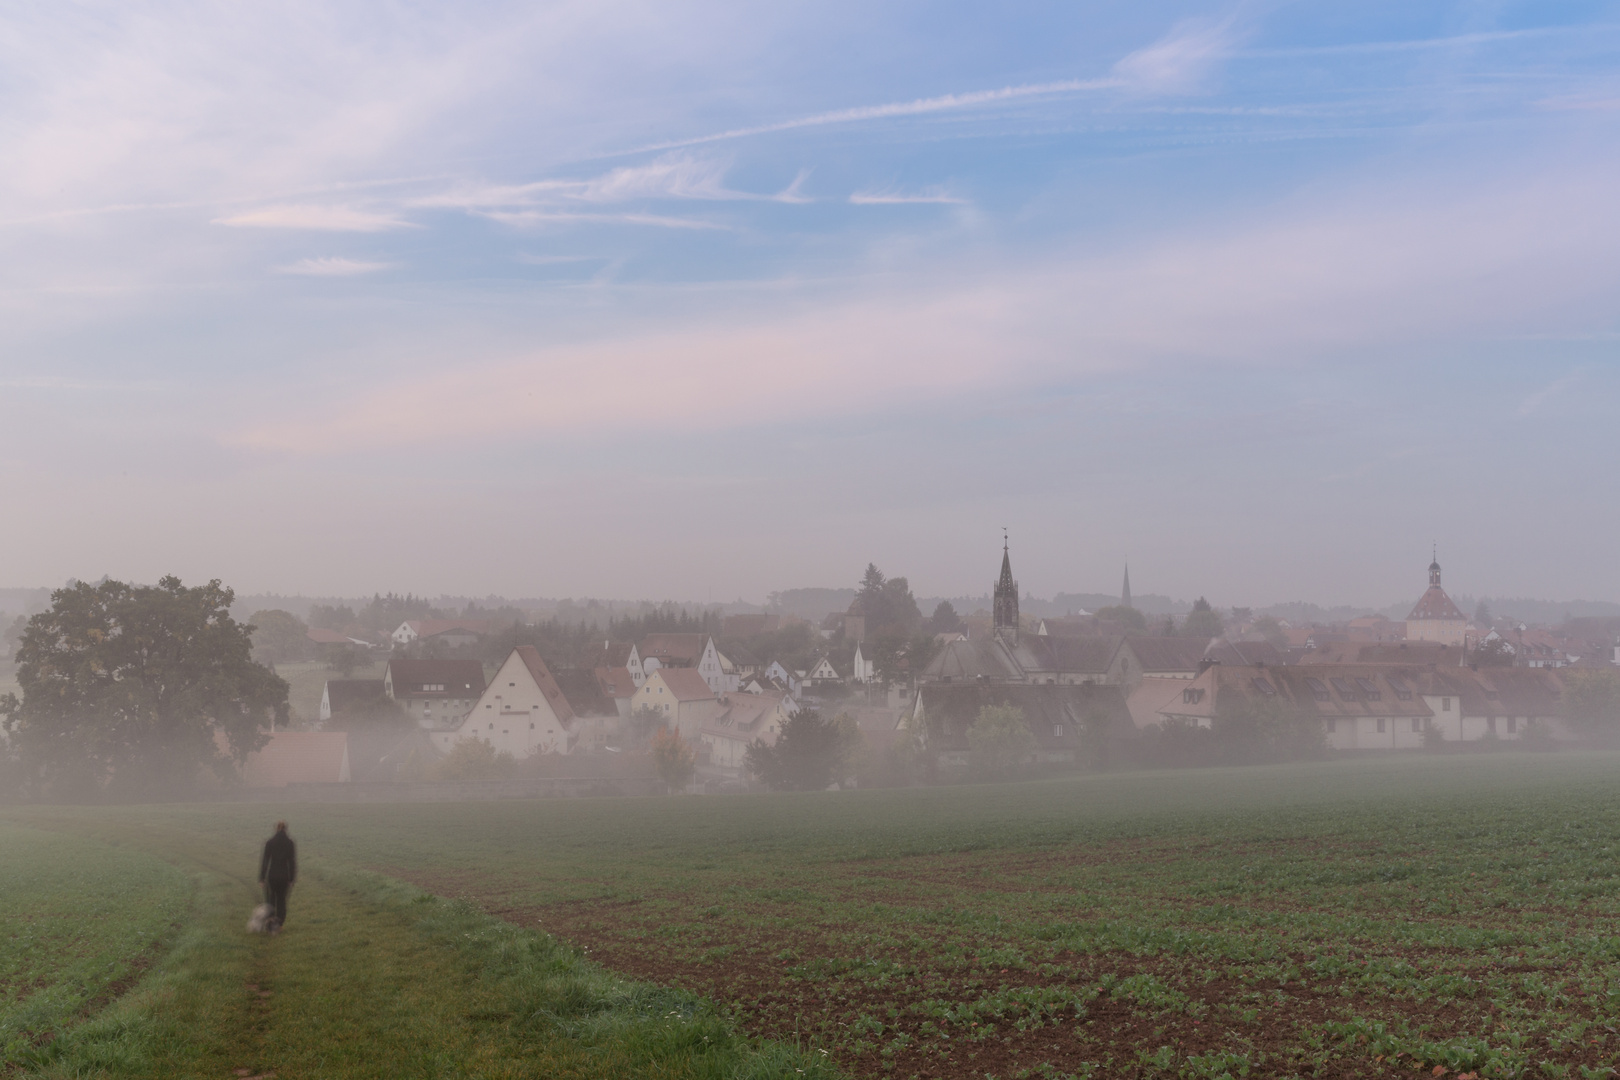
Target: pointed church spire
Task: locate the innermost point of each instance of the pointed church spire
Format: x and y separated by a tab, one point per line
1005	605
1125	593
1434	567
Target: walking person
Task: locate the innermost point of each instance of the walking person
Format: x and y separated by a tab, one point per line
278	869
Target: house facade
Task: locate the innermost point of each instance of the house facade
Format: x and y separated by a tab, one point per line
437	694
740	719
679	696
523	711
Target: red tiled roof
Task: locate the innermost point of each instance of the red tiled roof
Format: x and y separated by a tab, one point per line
548	685
1435	604
616	682
674	648
321	636
460	678
685	683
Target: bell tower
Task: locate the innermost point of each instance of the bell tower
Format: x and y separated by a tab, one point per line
1005	607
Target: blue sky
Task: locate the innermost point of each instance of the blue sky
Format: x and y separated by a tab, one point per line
691	300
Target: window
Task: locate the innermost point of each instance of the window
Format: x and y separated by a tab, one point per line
1417	723
531	727
1344	688
1490	724
1331	725
1057	729
1319	690
1192	695
1380	725
1264	686
1445	704
511	684
1398	684
1369	688
492	726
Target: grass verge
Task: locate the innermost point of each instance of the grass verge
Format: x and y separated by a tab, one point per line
374	978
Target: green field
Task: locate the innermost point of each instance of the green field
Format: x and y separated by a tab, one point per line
1362	918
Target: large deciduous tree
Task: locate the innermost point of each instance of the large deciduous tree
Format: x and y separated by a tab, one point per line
125	686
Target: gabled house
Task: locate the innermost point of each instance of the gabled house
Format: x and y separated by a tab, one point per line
862	669
738	721
696	651
822	673
523	711
778	672
1167	657
437	694
679	696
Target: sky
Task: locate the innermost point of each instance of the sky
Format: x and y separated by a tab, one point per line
700	301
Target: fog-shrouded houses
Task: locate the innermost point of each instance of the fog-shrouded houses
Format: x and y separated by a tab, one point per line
451	633
437	694
1368	706
1067	720
348	695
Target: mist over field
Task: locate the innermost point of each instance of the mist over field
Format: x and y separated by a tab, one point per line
811	540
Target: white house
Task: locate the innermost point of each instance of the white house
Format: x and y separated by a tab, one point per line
522	711
864	669
742	719
690	651
452	632
679	696
789	679
822	672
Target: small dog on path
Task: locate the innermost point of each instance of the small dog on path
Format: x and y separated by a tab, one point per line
263	920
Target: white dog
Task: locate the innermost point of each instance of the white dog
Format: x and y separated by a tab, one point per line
263	920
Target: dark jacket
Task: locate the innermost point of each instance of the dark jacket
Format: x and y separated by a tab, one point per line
280	859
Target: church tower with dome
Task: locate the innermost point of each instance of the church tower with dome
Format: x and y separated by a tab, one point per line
1435	617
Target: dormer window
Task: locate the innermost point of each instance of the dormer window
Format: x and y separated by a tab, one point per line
1398	684
1263	686
1344	688
1369	688
1319	689
1192	695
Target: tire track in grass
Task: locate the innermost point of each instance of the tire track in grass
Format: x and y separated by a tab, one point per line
375	979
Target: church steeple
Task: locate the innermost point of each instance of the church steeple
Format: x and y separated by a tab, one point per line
1125	593
1004	609
1434	567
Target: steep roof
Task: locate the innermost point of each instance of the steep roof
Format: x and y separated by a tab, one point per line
1070	655
322	636
1435	604
584	692
546	682
616	682
616	654
968	659
460	678
344	694
1168	653
1152	694
1245	653
682	649
684	683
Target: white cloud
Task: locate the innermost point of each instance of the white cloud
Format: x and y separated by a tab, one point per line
1182	61
531	219
887	198
916	107
331	266
1358	275
315	217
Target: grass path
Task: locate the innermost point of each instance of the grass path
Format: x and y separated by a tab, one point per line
373	979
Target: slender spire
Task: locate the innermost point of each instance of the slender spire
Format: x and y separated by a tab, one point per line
1125	593
1005	605
1434	567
